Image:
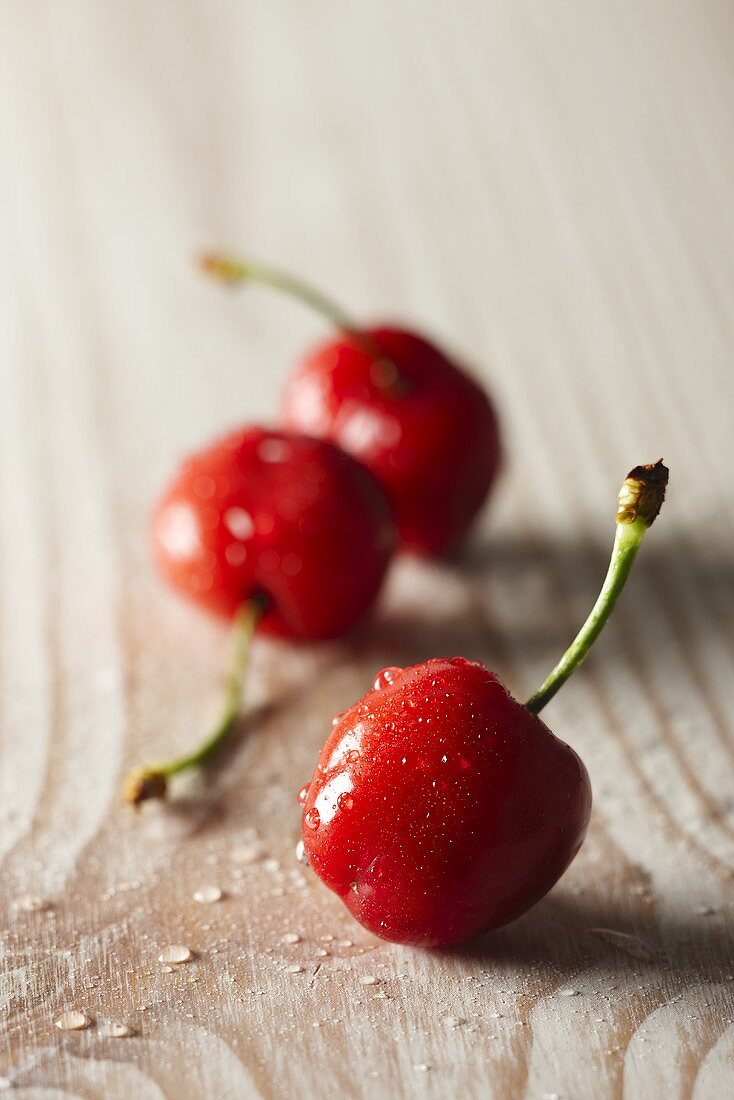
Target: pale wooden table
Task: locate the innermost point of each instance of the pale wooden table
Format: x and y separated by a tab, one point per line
547	187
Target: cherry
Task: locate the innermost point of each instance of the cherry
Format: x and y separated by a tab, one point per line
441	807
425	429
274	531
291	519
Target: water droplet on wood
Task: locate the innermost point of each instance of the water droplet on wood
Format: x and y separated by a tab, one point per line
631	945
207	895
176	953
112	1029
30	903
72	1021
248	853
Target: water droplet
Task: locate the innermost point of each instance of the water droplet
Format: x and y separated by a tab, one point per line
568	992
114	1030
176	953
235	553
631	945
207	895
369	979
291	565
239	523
294	968
464	662
313	819
290	937
273	450
301	855
346	943
328	938
421	1067
385	677
72	1021
30	903
338	717
303	793
321	953
205	487
248	853
345	801
453	1021
167	969
352	756
705	911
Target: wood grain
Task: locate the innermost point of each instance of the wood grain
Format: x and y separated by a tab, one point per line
547	188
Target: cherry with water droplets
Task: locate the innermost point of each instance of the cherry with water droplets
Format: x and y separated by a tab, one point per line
465	808
278	514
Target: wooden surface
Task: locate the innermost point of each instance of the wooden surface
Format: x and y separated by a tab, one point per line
545	186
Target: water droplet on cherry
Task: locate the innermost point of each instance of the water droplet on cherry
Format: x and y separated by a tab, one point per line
239	523
386	676
312	818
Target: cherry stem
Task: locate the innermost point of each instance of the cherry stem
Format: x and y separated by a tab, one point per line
640	500
150	781
231	270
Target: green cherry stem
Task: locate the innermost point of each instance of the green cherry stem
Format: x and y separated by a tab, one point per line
151	780
229	269
640	500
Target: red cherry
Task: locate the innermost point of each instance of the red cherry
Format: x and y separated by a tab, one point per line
425	429
277	515
429	433
441	807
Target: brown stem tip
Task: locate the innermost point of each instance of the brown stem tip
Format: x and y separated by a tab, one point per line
642	493
142	784
221	267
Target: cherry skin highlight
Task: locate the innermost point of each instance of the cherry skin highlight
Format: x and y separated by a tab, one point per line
280	517
442	808
425	429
